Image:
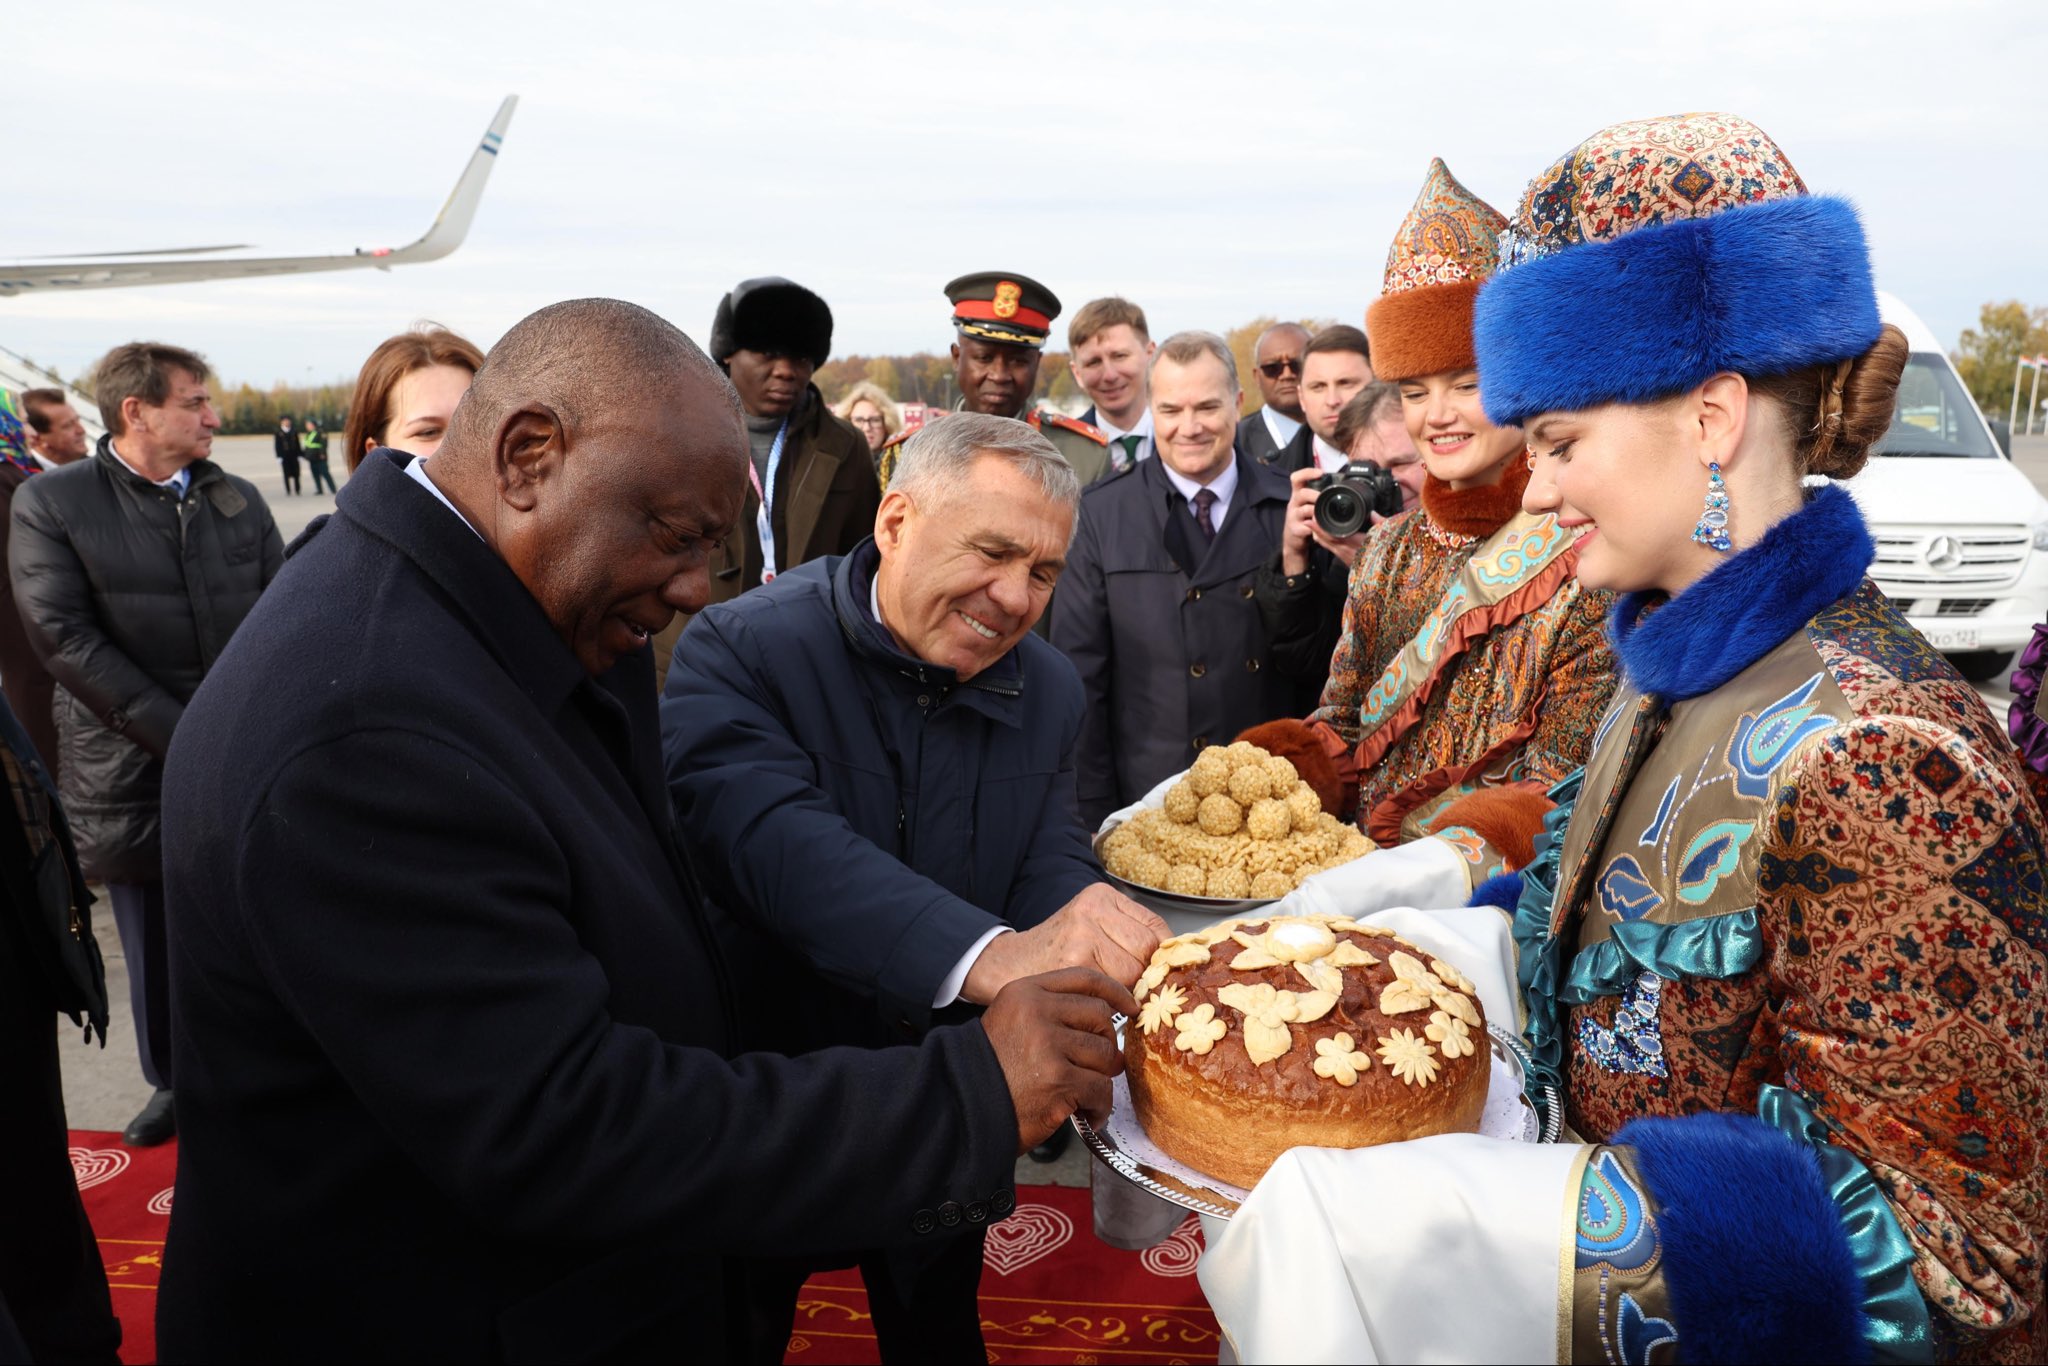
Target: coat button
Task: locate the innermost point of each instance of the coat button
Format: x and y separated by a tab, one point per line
924	1221
1194	595
1002	1203
1197	670
924	700
949	1213
977	1212
1247	590
1199	742
1251	666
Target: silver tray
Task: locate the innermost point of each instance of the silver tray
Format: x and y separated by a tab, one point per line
1204	1200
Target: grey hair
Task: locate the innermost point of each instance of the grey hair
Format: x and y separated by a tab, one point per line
1184	348
933	464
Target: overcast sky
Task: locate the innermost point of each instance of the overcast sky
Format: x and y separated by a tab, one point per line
1212	162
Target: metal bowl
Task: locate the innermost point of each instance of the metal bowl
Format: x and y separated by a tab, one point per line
1176	908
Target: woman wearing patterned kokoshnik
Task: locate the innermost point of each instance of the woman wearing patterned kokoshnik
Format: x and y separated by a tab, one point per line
1472	666
1782	944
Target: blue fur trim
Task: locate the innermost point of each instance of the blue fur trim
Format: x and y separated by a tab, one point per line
1746	606
1758	290
1757	1263
1502	893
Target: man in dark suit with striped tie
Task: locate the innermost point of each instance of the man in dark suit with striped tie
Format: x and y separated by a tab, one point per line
1155	608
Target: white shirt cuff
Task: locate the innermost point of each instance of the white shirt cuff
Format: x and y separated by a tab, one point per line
949	988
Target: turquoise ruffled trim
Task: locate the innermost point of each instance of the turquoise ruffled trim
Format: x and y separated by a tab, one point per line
1718	946
1536	956
1714	946
1895	1314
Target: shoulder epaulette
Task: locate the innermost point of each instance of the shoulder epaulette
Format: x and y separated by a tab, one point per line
885	458
1073	424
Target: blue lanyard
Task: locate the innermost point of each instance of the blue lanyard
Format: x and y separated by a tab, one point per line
764	516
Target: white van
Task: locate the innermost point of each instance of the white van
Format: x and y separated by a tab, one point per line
1962	536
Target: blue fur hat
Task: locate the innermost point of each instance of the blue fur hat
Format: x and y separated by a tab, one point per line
1657	253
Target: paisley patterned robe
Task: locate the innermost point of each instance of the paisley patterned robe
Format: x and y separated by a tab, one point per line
1516	704
1822	874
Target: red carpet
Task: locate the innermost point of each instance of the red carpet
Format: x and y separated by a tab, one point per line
127	1194
1050	1293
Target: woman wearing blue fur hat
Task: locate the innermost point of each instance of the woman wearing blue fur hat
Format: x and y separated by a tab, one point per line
1783	948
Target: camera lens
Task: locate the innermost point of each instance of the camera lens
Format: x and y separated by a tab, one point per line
1339	511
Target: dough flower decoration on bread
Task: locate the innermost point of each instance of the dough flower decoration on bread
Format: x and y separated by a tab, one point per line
1345	925
1399	997
1321	976
1456	1004
1451	1034
1291	939
1199	1030
1409	968
1450	975
1341	1060
1414	986
1267	1013
1349	955
1408	1057
1184	951
1161	1008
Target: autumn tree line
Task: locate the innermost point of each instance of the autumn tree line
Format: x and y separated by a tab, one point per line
1988	355
927	377
1985	357
246	410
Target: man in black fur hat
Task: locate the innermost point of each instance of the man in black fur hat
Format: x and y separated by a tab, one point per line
811	488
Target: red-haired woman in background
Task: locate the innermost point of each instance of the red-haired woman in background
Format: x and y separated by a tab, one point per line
408	390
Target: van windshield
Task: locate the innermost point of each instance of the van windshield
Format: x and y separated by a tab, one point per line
1934	415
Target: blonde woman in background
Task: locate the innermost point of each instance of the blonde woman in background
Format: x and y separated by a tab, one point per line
873	414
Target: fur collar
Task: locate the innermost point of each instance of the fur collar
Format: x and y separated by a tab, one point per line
1746	606
1478	511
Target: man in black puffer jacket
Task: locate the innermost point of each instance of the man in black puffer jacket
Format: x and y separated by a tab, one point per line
131	570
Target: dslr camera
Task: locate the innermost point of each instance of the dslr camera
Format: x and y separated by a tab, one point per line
1348	498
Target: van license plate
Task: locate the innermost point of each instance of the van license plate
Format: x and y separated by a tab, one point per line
1953	638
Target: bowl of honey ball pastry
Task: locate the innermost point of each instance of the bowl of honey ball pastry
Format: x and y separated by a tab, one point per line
1238	830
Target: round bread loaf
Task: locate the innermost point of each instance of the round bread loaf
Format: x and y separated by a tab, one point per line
1268	1033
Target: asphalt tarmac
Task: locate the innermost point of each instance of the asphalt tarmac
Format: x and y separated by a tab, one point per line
103	1089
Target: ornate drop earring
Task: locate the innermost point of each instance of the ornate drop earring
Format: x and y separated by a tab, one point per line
1712	531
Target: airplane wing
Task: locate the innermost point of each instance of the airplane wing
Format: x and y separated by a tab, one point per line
450	226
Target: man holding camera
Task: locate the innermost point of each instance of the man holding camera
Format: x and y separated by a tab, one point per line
1300	589
1156	605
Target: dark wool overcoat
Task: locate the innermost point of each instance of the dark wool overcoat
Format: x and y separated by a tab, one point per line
454	1043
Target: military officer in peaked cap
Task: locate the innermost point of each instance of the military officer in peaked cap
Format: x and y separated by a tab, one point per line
1002	321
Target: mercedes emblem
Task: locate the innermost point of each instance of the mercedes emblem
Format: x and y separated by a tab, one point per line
1944	553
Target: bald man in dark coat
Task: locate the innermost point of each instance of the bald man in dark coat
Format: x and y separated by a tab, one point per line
454	1036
